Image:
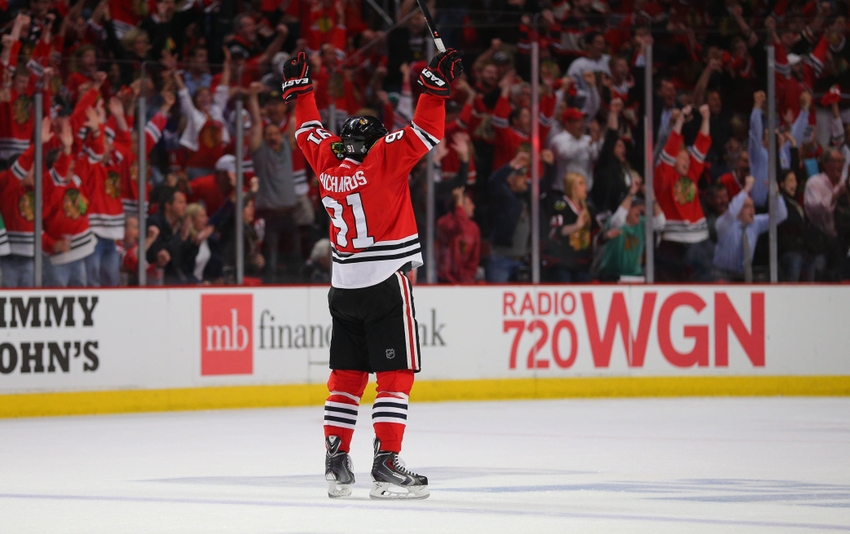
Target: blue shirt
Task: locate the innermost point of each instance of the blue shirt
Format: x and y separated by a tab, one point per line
193	84
729	252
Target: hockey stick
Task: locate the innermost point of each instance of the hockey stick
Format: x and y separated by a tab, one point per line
438	42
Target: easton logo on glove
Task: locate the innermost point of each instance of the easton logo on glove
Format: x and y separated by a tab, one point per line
438	76
296	75
433	77
294	83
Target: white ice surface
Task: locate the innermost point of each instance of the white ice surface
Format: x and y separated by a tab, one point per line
613	466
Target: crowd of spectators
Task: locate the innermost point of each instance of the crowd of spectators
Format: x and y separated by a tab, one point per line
194	61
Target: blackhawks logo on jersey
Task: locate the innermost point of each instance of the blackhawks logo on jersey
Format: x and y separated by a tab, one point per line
21	109
324	24
113	184
580	240
210	136
631	242
26	206
684	191
74	204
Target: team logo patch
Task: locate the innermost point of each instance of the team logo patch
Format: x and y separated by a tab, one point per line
390	354
21	109
684	191
113	184
560	205
210	135
74	204
26	206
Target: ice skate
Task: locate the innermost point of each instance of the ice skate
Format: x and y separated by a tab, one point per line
338	471
392	480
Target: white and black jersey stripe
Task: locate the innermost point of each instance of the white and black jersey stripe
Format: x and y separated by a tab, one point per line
390	409
374	264
107	226
9	148
306	127
427	139
82	245
22	243
4	243
380	251
341	414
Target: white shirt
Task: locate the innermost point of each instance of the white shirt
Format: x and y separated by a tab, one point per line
201	260
574	155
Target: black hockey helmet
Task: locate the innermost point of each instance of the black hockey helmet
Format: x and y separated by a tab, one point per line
359	134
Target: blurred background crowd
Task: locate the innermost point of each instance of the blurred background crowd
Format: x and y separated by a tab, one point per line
207	68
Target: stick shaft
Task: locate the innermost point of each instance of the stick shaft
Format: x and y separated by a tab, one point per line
438	42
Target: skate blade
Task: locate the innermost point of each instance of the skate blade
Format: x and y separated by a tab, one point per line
336	491
391	492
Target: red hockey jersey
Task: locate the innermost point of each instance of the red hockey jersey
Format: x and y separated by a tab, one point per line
678	195
103	189
17	205
65	208
509	140
373	229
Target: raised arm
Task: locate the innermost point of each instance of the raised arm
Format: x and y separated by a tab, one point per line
313	139
256	134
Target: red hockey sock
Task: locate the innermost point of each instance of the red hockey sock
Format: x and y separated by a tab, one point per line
346	388
389	413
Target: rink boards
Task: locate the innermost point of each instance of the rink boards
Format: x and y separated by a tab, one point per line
99	351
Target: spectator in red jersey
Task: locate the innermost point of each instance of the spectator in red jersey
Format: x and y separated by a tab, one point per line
512	119
458	241
67	236
685	253
17	207
85	73
213	190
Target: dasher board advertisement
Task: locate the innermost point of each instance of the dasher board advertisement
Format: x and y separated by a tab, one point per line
84	340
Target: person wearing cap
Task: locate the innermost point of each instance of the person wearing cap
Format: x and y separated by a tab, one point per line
276	199
625	237
575	150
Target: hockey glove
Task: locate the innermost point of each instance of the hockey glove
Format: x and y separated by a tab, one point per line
436	79
296	76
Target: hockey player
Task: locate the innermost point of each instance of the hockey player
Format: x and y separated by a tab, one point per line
374	242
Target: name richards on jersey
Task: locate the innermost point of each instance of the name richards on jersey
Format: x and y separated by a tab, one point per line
342	184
